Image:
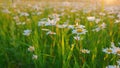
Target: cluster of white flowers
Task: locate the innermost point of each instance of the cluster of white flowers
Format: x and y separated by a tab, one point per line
49	22
112	50
32	49
85	51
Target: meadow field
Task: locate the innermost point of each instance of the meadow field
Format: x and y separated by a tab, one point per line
59	35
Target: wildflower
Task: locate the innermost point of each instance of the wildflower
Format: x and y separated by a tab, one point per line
77	38
39	13
79	31
41	23
96	29
102	14
118	15
117	21
62	26
112	66
34	57
74	10
66	4
51	22
117	50
113	45
45	29
6	11
16	18
109	50
79	26
97	20
71	26
85	51
103	25
24	14
20	23
50	33
31	48
91	18
27	32
110	16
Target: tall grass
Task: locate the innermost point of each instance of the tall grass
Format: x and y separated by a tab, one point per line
58	50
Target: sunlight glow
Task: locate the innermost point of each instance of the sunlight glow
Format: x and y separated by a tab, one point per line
109	1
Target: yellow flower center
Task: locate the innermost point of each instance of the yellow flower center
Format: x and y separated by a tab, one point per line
79	30
109	50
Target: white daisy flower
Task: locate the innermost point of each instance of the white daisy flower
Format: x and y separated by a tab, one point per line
117	21
45	29
96	29
85	51
31	48
77	38
24	14
109	50
117	51
97	20
92	18
34	57
50	33
26	32
71	26
41	23
112	66
103	25
79	31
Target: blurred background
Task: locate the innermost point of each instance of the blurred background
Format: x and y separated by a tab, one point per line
106	2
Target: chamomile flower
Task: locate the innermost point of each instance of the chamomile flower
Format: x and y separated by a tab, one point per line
62	26
102	14
45	29
117	21
34	57
103	25
85	51
109	50
79	31
24	14
91	18
41	23
50	33
97	20
117	51
76	37
112	66
27	32
96	29
71	26
31	48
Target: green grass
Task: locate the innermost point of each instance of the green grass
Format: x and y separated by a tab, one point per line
60	50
